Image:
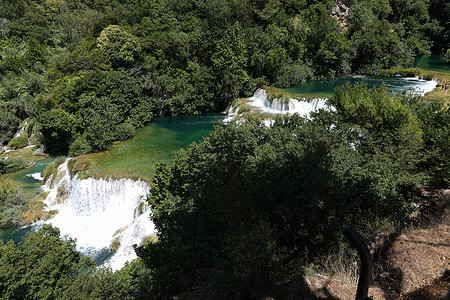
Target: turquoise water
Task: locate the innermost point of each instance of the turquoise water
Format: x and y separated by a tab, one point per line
29	185
325	88
15	234
431	62
157	141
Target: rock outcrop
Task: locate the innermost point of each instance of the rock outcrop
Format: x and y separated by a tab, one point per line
340	12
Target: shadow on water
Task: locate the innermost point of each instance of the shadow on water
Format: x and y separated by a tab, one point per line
431	62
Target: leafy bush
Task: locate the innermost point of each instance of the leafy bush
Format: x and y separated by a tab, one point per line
435	121
80	146
11	165
290	75
12	205
447	56
41	266
124	131
44	266
400	71
18	142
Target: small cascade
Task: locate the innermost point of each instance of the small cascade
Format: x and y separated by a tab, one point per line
285	106
420	86
100	212
21	131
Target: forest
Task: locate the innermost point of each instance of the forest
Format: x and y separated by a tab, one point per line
79	75
87	73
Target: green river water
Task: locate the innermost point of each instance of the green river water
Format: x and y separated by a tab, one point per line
432	63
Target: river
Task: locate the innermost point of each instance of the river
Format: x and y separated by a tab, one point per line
91	204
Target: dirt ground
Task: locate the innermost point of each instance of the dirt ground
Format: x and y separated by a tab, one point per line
413	265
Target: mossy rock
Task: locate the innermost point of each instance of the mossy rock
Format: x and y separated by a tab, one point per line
151	239
18	142
75	166
120	230
115	245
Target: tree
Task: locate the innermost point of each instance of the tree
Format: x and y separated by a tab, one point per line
121	47
58	129
230	61
379	116
42	266
12	201
100	118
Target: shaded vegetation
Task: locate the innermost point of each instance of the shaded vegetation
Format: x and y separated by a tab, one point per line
250	203
12	205
43	266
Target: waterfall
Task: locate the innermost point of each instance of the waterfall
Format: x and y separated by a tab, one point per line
260	103
420	86
21	130
285	106
99	213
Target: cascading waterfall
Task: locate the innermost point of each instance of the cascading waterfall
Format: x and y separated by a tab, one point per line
99	213
262	104
419	86
21	130
285	106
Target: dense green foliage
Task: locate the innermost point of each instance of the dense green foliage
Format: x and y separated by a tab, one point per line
237	214
43	266
92	71
435	120
12	205
10	165
12	201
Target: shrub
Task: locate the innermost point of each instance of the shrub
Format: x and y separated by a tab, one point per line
428	77
447	56
10	165
80	146
12	205
18	142
124	131
400	71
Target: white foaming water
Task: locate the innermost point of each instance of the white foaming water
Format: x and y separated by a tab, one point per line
285	106
421	86
36	176
97	212
21	130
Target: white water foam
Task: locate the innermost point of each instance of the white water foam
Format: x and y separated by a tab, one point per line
420	86
36	176
97	212
21	130
286	106
260	102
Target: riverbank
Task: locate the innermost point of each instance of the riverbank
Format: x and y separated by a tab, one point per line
438	93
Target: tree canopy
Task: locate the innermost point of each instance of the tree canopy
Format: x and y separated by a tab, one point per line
141	60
